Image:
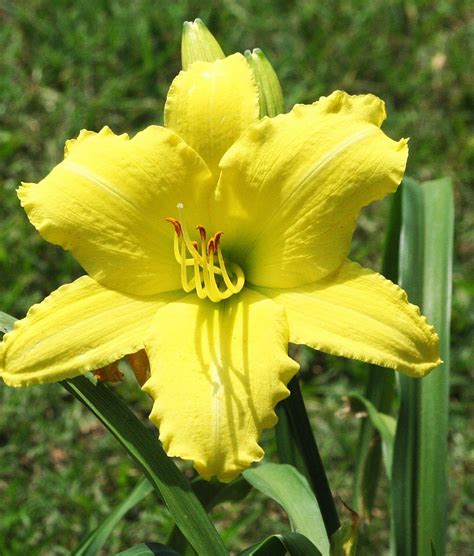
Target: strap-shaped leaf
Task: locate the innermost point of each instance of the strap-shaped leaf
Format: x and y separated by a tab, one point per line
345	539
210	495
380	387
297	446
145	449
385	425
149	549
287	486
293	544
419	489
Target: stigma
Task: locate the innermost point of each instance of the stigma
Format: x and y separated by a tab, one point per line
202	264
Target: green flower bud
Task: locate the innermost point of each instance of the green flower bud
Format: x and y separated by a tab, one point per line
269	88
198	44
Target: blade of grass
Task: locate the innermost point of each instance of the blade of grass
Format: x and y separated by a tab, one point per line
380	388
96	540
419	488
144	448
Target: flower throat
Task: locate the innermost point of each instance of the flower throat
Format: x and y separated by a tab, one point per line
211	277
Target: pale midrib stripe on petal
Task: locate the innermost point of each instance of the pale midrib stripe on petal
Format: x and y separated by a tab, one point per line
331	302
97	180
80	323
328	157
217	386
316	168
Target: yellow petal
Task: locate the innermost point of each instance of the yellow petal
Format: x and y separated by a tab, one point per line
292	186
108	200
80	327
357	313
211	104
217	371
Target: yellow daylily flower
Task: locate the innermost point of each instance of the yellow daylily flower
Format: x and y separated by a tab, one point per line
209	244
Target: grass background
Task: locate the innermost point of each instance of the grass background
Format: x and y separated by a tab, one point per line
78	64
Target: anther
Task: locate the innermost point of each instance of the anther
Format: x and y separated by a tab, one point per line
211	247
217	239
175	223
206	260
202	232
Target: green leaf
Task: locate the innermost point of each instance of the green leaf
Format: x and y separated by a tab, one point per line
97	539
419	490
149	549
298	436
210	494
293	544
345	539
287	486
287	447
385	425
6	322
145	449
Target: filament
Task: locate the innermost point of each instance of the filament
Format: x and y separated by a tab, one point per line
206	260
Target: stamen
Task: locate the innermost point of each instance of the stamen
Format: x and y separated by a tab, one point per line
210	247
176	225
220	258
176	242
194	252
187	286
216	292
201	292
202	232
203	261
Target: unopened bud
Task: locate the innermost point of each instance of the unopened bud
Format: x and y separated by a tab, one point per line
269	88
198	44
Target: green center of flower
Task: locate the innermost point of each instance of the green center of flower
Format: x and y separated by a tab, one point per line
209	276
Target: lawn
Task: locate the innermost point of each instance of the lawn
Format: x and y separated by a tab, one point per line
72	65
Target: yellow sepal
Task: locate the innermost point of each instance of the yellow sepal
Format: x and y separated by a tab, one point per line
80	327
357	313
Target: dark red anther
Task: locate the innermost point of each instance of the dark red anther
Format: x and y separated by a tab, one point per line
176	225
210	247
202	232
217	239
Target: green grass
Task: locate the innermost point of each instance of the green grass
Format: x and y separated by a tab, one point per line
68	65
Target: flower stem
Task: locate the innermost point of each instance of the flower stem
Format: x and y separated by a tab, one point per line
302	434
